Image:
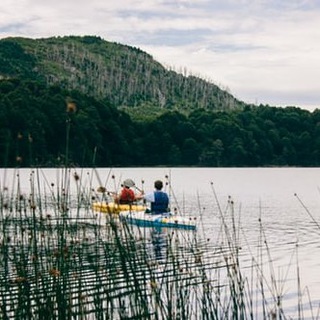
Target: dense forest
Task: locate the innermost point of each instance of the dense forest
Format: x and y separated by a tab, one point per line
44	125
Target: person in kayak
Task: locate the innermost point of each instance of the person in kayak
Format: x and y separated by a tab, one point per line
159	200
126	195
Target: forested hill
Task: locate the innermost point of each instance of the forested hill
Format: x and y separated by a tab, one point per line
68	101
50	126
121	75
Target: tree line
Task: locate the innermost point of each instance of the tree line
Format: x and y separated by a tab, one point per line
50	126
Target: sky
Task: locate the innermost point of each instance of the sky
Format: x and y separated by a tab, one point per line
261	51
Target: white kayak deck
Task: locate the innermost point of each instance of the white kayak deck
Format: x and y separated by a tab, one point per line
165	220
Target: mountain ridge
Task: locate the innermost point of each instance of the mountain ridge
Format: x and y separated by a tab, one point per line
122	75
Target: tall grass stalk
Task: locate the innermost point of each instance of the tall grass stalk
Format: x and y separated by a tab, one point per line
59	259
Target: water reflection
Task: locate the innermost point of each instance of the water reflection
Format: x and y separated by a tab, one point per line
159	242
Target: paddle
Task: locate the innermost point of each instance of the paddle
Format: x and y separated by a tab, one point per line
140	190
102	189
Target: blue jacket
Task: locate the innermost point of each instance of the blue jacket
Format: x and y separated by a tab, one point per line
161	202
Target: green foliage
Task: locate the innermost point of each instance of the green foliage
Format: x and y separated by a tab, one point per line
14	61
48	126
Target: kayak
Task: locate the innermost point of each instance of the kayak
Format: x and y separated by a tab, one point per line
164	220
111	207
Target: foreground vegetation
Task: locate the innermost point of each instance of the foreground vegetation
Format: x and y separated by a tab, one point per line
58	259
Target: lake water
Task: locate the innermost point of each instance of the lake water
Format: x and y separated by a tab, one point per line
274	213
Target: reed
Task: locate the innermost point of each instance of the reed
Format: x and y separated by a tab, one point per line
61	260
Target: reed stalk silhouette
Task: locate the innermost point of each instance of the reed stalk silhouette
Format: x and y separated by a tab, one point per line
60	259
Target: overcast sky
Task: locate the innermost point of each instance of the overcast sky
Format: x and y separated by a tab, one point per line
262	51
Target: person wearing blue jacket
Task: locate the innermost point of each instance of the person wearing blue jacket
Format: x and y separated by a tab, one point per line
159	200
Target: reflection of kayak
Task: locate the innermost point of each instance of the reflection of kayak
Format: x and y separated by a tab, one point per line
165	220
111	207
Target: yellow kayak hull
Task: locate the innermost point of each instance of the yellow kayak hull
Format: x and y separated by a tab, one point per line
111	207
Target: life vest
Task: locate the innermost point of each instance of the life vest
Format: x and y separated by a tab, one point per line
161	202
127	196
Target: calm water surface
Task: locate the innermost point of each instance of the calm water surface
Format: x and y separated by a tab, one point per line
274	208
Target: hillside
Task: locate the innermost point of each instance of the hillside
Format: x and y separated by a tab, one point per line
52	126
83	101
120	75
